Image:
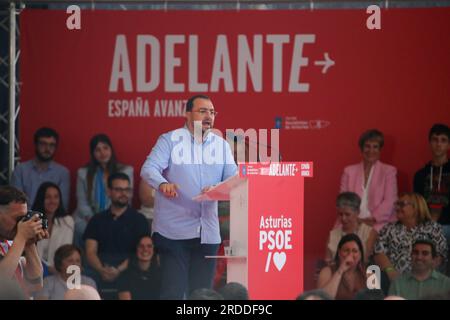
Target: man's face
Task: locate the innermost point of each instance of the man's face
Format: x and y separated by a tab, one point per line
120	193
439	145
10	215
203	111
422	259
45	148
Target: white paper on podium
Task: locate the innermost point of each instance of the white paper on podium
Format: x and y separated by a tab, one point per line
220	191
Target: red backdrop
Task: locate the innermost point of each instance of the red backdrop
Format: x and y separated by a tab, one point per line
396	79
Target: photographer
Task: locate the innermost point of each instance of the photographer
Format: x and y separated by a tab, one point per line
27	272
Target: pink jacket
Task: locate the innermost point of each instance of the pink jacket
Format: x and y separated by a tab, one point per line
382	189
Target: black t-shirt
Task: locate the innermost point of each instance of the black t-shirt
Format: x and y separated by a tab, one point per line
435	189
117	239
143	285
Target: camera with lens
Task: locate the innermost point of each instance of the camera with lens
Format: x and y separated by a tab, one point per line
41	215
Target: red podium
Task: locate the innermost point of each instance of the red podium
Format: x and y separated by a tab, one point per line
266	227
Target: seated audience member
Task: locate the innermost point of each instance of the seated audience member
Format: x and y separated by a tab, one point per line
147	198
395	240
55	286
370	294
29	175
142	279
19	259
374	181
423	280
84	293
347	204
433	180
111	236
348	274
205	294
92	196
314	295
234	291
60	223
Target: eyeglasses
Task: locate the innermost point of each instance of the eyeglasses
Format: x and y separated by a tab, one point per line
127	190
203	112
51	145
401	204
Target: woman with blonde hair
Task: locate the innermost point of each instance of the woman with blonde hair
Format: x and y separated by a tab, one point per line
394	245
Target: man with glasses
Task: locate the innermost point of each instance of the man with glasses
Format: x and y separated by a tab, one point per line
29	175
112	235
184	163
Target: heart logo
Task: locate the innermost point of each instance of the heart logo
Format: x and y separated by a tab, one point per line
279	258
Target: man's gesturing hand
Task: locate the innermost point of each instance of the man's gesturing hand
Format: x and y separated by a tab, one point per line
169	189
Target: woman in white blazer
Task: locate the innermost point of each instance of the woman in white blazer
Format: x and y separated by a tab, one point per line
60	223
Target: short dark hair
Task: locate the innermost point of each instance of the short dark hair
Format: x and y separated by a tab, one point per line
62	253
205	294
190	102
234	291
45	132
372	134
117	176
438	129
427	242
10	194
348	199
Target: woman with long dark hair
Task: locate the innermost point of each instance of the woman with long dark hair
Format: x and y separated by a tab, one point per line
92	182
142	279
60	224
347	276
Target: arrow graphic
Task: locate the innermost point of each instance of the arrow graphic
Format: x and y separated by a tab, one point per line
326	63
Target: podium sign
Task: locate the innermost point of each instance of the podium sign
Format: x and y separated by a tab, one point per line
266	227
275	228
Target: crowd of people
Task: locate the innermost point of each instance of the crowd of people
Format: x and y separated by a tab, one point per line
159	251
405	235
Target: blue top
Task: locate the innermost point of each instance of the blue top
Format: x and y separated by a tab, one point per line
28	177
99	198
177	158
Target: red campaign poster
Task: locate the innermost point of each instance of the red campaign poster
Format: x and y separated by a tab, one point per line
276	228
321	77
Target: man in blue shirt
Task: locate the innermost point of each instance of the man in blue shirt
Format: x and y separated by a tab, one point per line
29	175
184	163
